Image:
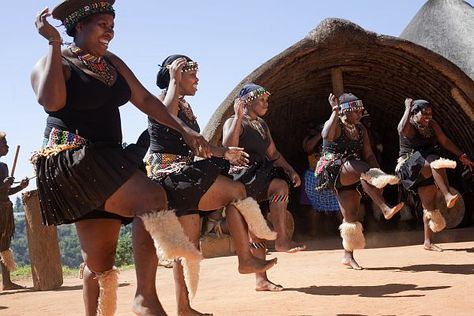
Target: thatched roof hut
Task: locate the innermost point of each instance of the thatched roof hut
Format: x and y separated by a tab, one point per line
447	28
382	70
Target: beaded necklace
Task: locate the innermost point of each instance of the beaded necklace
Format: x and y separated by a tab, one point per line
184	106
424	131
351	129
97	65
256	125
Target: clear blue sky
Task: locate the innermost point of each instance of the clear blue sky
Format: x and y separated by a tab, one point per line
229	39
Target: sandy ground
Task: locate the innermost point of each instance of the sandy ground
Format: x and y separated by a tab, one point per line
402	280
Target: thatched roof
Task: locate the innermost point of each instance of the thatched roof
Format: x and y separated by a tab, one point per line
382	70
447	28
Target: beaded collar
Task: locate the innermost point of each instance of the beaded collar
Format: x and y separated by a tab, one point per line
256	125
424	131
97	65
186	108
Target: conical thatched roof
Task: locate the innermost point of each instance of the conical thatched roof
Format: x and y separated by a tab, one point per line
447	28
382	70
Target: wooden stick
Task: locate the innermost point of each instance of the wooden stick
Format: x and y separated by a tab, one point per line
15	160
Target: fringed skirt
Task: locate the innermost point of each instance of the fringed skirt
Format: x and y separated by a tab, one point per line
186	182
257	178
7	225
75	183
321	200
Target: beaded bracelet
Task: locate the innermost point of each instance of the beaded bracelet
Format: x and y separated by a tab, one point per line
55	40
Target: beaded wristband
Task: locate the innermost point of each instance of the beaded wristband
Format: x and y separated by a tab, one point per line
55	40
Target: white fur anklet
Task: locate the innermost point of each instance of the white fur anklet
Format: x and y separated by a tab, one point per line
442	163
6	257
352	235
171	242
378	178
252	214
108	285
436	220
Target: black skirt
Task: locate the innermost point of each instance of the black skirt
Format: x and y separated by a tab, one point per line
410	171
257	178
75	183
185	188
7	225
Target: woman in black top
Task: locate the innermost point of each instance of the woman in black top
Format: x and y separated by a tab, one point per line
84	174
345	162
197	185
268	174
420	167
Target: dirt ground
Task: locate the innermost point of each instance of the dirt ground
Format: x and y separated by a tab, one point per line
401	280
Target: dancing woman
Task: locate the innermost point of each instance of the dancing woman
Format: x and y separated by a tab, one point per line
268	173
84	175
420	168
347	160
202	185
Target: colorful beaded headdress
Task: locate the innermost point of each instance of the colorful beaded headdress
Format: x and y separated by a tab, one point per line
251	92
71	12
349	102
190	66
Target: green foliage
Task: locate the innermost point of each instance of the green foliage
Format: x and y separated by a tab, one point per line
69	246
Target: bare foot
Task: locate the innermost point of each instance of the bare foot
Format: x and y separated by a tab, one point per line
268	286
141	310
12	286
350	262
389	212
256	265
451	200
432	247
291	247
192	312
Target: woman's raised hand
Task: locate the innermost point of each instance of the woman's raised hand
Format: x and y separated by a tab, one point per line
239	108
176	68
408	103
45	28
236	156
334	102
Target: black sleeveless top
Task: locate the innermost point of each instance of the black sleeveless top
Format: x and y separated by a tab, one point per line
417	143
167	140
344	145
253	143
92	107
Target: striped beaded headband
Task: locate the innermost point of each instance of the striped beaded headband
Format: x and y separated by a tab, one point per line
190	66
252	95
351	106
97	7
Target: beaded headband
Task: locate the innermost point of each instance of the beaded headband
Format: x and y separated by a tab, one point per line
75	17
190	66
252	95
351	106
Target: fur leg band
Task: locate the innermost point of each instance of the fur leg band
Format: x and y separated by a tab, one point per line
378	178
436	220
252	214
352	236
108	285
171	242
7	258
443	163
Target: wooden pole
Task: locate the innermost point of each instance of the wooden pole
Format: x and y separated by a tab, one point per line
337	81
43	246
15	160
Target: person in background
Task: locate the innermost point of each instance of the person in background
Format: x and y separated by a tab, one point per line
7	222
